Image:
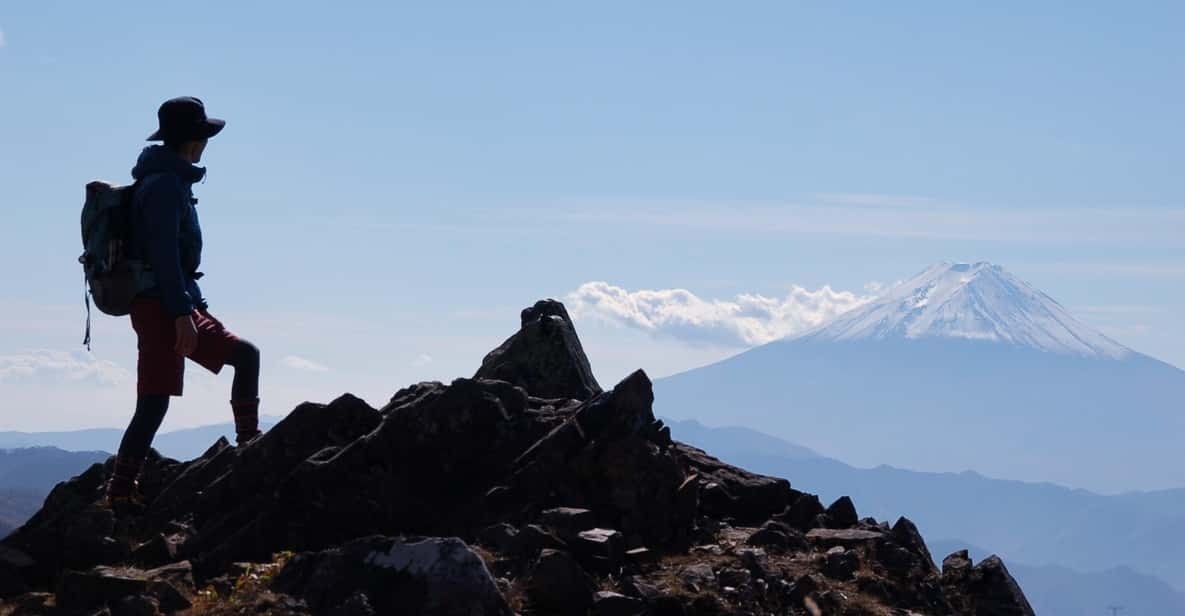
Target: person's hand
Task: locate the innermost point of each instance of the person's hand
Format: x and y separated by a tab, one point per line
187	337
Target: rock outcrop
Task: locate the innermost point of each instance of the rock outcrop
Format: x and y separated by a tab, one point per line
526	489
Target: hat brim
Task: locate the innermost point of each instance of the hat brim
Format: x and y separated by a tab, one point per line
211	127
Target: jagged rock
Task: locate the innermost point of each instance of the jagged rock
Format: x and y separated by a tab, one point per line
567	521
906	554
802	513
607	603
159	550
136	605
987	589
842	513
29	604
775	534
640	556
850	537
600	549
730	492
534	538
501	536
431	576
840	563
757	562
736	578
638	587
557	583
545	357
101	585
602	459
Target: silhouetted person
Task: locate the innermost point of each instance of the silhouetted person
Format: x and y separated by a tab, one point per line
169	314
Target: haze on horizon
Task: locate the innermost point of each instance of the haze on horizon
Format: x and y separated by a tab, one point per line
395	183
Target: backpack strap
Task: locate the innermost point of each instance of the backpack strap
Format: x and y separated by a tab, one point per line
86	297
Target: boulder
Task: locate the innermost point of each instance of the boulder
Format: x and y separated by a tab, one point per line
987	589
607	603
604	459
842	513
600	549
802	512
545	357
567	521
905	553
840	563
170	587
848	537
730	492
557	584
778	535
429	576
501	537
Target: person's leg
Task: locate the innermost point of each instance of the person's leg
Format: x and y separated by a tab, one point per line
217	347
160	373
150	411
244	390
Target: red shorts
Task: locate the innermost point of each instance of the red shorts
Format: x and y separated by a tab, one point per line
160	370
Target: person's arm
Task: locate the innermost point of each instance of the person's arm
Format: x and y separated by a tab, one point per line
163	203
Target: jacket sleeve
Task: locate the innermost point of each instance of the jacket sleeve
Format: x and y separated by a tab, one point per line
163	202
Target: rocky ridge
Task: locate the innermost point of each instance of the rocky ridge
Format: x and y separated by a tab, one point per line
526	489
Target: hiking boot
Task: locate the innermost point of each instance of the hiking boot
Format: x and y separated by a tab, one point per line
246	414
122	488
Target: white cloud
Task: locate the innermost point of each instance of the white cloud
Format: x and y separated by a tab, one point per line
300	363
53	367
422	360
747	320
3	40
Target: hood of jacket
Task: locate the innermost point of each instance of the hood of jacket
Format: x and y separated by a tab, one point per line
160	159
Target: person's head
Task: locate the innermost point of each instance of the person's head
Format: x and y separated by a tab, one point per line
190	150
185	128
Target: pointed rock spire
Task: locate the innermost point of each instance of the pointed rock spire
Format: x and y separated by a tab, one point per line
545	357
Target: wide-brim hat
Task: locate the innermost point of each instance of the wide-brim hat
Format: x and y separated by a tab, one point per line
184	119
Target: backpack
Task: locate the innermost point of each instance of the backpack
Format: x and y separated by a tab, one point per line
112	278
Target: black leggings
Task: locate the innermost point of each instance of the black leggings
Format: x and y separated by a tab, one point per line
150	409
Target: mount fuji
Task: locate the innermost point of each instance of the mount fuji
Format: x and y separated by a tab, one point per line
963	366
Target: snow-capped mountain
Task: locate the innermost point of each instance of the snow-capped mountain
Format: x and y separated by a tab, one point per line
963	366
977	301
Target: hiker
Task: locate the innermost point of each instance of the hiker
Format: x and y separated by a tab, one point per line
169	314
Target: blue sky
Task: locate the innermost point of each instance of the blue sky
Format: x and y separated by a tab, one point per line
395	182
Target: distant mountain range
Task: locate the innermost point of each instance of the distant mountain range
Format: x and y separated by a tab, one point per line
962	366
1046	533
184	444
27	476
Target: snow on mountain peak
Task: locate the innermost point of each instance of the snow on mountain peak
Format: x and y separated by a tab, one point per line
973	301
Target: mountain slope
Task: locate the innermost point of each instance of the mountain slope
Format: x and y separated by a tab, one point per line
932	390
978	301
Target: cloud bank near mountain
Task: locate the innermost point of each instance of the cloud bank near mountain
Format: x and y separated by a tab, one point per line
57	367
747	320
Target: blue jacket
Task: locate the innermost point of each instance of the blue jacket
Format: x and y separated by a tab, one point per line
165	233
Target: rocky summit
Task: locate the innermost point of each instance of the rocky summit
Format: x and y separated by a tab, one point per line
524	490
